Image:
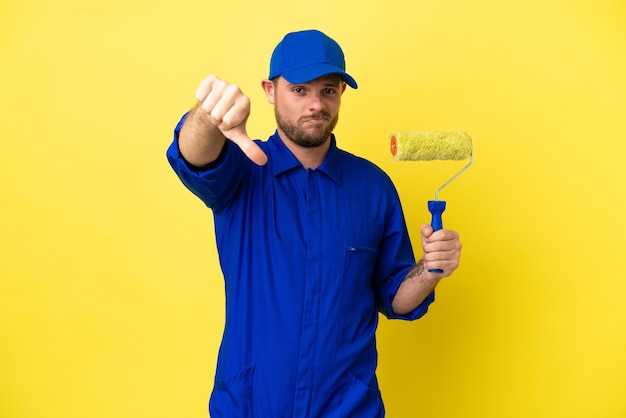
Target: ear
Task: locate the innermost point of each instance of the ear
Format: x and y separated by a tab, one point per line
343	87
268	88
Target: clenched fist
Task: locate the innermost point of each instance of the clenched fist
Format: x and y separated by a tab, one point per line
228	108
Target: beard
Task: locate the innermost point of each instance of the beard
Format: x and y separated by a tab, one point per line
313	137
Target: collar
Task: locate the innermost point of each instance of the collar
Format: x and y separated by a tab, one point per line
283	160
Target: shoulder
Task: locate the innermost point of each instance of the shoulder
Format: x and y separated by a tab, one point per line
356	166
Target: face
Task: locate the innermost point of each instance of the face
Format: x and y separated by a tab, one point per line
306	113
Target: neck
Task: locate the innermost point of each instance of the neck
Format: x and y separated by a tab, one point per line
309	157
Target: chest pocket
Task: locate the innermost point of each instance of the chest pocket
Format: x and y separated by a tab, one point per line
361	252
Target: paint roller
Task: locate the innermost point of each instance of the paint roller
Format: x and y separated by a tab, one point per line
429	146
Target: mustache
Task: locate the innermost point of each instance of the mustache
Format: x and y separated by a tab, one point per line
318	115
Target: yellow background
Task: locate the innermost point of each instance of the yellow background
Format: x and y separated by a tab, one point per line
111	298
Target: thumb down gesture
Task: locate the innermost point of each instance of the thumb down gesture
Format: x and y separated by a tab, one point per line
228	108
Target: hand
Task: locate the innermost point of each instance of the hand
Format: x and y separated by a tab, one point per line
226	107
442	250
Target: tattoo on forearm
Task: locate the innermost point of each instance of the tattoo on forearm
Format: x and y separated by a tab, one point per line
416	271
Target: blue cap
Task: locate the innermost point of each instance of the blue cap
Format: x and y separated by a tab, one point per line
304	56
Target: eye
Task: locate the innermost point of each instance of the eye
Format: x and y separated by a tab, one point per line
329	91
298	90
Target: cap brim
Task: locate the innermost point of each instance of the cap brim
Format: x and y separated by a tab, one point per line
306	74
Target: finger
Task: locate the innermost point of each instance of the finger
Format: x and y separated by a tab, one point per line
205	87
216	104
451	246
248	146
426	230
253	152
442	235
444	260
232	109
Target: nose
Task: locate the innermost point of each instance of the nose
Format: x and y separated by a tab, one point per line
315	102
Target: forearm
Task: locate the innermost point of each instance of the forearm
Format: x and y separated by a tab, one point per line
415	288
200	142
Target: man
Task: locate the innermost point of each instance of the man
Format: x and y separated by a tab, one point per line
312	242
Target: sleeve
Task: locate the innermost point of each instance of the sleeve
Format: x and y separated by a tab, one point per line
215	184
395	261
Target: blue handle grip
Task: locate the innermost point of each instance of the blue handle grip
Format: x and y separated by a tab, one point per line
436	208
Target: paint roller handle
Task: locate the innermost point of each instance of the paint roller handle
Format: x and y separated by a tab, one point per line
436	208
